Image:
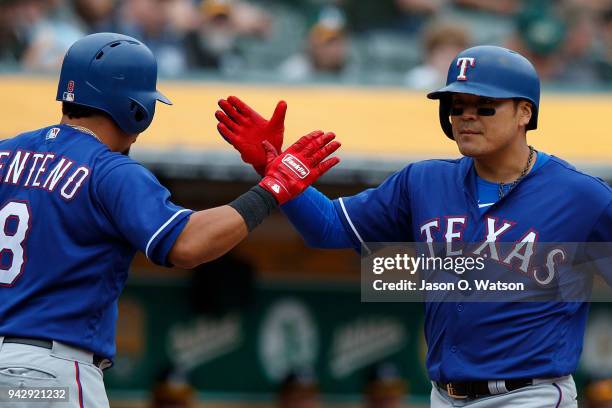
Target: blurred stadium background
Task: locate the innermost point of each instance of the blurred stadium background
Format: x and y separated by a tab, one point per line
275	323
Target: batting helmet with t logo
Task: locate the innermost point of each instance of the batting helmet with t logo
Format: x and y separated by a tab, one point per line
493	72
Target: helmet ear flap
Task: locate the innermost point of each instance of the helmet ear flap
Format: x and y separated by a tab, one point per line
139	116
134	116
444	113
138	113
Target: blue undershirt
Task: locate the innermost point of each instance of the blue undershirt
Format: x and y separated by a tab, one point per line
488	192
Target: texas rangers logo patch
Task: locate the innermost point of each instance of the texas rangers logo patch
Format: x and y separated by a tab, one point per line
463	64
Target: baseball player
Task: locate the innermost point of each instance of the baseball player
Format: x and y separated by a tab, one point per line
498	354
74	210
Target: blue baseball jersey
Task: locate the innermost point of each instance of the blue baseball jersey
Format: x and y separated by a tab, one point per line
72	216
437	201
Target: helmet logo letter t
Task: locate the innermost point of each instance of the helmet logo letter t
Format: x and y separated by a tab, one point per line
462	63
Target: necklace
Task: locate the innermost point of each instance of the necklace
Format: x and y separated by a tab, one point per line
522	175
84	130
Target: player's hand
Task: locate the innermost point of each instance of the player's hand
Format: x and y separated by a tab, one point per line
245	129
291	172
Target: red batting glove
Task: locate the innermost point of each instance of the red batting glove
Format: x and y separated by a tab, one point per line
245	129
291	172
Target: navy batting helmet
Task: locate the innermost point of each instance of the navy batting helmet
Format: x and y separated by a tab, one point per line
114	73
494	72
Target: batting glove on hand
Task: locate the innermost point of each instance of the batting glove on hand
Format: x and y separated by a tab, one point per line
245	129
288	174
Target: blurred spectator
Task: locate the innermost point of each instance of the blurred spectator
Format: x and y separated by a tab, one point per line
559	41
182	15
172	390
578	49
364	16
414	14
594	6
49	35
403	16
95	15
251	21
149	21
604	62
299	389
505	7
384	388
599	394
213	43
441	43
569	41
13	32
540	34
327	51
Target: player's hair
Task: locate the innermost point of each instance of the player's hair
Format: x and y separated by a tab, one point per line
76	111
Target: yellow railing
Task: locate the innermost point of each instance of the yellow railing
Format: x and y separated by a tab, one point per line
377	122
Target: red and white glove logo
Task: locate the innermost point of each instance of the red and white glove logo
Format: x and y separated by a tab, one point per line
296	166
289	173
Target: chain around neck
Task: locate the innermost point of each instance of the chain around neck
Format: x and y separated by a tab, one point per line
84	130
520	177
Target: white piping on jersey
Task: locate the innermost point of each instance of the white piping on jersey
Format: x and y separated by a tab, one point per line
485	205
161	228
351	224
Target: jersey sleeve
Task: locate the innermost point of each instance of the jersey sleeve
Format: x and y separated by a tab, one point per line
139	208
380	214
313	215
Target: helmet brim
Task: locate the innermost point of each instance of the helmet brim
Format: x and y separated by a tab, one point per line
162	98
472	89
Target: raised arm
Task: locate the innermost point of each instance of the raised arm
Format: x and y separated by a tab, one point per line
312	214
211	233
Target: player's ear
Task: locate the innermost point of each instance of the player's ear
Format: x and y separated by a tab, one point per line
524	111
